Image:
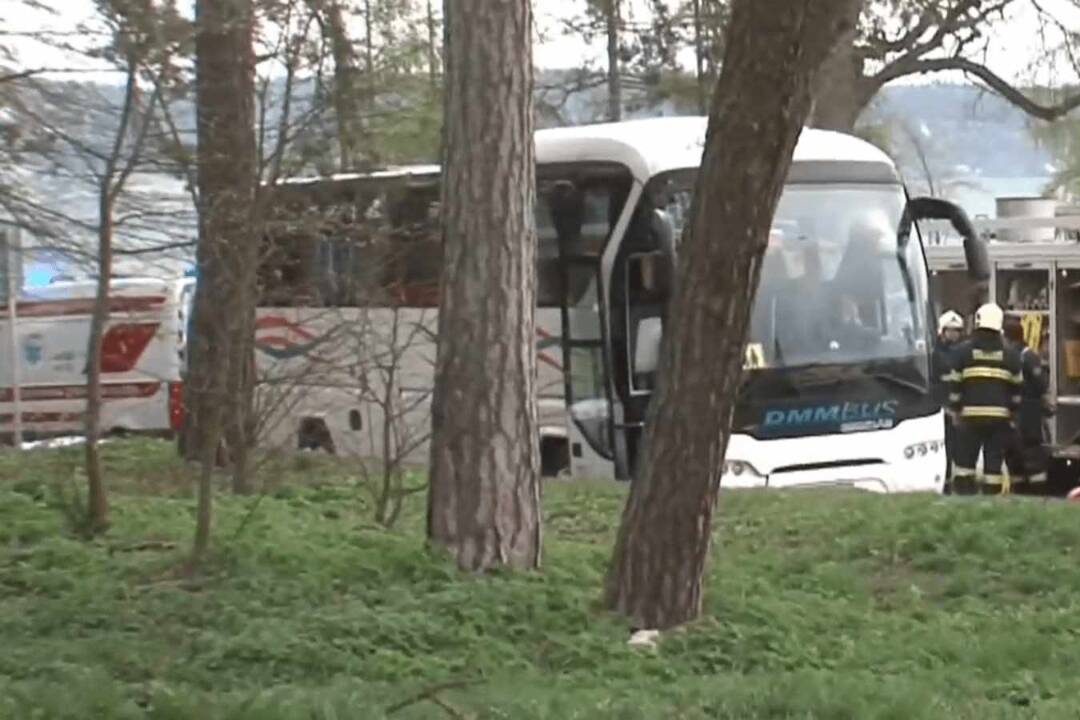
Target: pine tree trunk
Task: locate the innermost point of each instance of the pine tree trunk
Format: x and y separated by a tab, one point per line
432	46
369	51
758	108
227	253
347	109
699	60
611	21
484	496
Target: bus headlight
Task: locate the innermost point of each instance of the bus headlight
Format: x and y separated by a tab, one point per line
923	449
738	468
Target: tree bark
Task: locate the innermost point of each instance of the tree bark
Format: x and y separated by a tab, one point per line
239	414
369	51
612	20
432	47
347	108
699	60
97	501
227	253
484	494
112	182
761	100
841	90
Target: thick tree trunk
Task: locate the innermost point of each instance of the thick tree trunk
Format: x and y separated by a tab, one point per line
841	90
484	496
759	105
612	21
228	250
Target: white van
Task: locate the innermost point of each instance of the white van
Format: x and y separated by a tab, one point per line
143	355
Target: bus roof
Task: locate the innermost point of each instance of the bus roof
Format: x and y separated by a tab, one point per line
652	146
118	287
389	173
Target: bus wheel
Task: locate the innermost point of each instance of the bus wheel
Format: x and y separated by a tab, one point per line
314	434
554	456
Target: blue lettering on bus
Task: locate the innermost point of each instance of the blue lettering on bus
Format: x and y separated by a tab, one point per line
830	414
774	417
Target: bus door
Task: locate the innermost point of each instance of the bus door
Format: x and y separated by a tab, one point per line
584	342
640	290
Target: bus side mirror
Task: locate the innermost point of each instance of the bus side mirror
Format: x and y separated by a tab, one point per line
976	252
663	230
651	278
978	258
647	347
663	260
567	204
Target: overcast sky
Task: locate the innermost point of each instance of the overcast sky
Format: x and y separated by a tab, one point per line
1015	45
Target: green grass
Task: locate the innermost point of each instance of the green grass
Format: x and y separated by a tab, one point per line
819	605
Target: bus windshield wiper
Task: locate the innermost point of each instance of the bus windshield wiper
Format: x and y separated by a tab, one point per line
902	382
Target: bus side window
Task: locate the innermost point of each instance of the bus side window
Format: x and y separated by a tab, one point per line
423	268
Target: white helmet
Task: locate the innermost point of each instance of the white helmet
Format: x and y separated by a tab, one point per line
949	320
989	317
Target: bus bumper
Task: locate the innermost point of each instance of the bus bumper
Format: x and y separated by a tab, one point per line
909	457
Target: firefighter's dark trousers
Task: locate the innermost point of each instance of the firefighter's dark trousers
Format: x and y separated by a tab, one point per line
1027	458
993	437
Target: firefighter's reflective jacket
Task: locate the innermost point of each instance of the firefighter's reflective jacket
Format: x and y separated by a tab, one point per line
941	365
986	378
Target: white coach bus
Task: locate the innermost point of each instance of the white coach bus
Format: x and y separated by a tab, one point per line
345	330
837	385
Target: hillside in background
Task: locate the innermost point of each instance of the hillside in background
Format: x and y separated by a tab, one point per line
966	143
973	145
966	128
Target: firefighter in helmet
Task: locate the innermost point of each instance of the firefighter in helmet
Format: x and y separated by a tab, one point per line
1027	458
950	333
984	397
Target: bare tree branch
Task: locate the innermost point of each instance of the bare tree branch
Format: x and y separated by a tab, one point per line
961	24
33	72
1000	86
1066	33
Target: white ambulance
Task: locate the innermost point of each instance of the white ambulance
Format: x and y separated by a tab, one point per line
142	357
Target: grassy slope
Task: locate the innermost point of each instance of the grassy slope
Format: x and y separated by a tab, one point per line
820	605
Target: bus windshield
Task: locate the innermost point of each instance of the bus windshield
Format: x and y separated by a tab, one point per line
836	287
